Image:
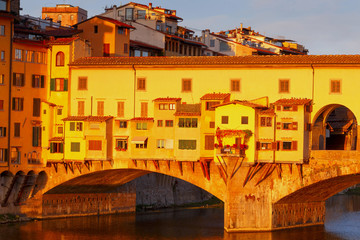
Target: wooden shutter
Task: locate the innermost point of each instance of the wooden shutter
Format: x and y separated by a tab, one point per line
295	108
294	126
61	147
294	145
144	109
81	108
72	126
209	142
278	145
120	109
4	132
51	147
22	77
65	84
278	107
36	107
106	49
258	145
100	108
14	79
52	84
42	84
278	125
33	81
273	145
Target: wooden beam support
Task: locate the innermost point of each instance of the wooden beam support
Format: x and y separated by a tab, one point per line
71	167
237	169
290	167
279	169
192	166
180	167
300	169
145	163
168	164
222	166
134	162
156	164
222	175
79	166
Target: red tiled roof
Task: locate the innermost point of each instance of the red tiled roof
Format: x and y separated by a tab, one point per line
30	42
167	99
215	96
292	101
62	41
267	112
69	32
142	119
50	104
188	110
88	118
242	102
57	139
187	114
222	60
116	22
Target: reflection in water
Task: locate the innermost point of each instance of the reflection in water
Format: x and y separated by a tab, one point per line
342	221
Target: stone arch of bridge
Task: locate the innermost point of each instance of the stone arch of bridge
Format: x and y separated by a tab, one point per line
101	181
334	128
322	190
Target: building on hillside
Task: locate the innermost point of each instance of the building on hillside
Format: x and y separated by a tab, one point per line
245	41
65	14
157	31
108	37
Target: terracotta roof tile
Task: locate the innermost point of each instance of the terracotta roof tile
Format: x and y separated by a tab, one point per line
88	118
215	96
242	102
188	110
57	139
292	101
221	60
267	112
142	119
116	22
62	41
167	99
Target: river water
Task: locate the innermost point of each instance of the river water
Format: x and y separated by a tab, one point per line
342	222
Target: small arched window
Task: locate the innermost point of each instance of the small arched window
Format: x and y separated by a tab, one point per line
60	59
59	18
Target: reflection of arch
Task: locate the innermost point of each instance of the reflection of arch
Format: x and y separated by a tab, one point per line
60	59
334	128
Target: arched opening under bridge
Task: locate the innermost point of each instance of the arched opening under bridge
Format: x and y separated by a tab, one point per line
334	128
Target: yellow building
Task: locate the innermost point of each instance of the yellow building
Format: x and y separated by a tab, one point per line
66	14
108	37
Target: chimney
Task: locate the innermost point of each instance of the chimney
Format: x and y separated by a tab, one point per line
150	5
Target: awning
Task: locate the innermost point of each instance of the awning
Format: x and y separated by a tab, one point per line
139	140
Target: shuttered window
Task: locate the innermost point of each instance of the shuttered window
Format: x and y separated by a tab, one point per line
16	129
144	109
36	107
209	142
120	109
2	131
212	124
225	119
1	105
335	86
81	108
266	121
100	108
95	145
18	104
235	85
56	147
284	85
58	84
18	79
75	147
187	144
36	136
141	84
186	85
82	83
60	59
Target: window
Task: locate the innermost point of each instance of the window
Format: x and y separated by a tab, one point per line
58	84
141	14
287	125
211	124
18	54
106	50
18	80
75	147
265	146
59	111
60	59
2	131
56	147
36	107
1	105
2	30
38	81
96	29
160	143
18	104
212	42
188	122
36	136
209	105
335	86
126	48
144	109
121	144
287	145
141	126
122	124
235	85
15	155
187	144
120	109
224	119
244	120
121	30
172	106
81	108
163	106
3	155
169	123
95	145
2	56
284	85
75	126
129	14
71	17
224	46
60	130
160	123
141	84
2	79
209	142
141	145
16	129
82	83
265	121
186	85
59	18
100	108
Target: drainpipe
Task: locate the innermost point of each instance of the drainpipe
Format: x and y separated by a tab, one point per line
133	67
10	81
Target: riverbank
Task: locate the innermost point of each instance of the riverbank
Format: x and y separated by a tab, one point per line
11	218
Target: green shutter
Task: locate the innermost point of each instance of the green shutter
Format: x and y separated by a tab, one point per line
33	81
33	137
52	84
22	79
72	126
42	81
51	147
62	147
65	84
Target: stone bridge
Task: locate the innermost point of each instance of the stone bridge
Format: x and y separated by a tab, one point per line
262	197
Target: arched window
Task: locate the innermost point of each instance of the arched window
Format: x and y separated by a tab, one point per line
60	59
59	18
